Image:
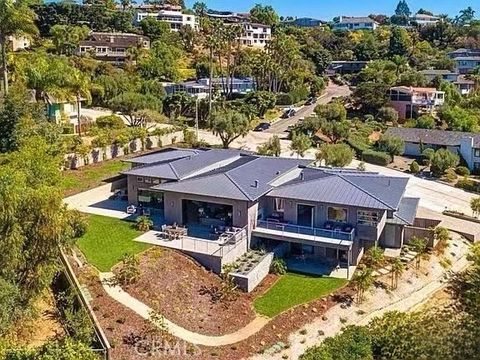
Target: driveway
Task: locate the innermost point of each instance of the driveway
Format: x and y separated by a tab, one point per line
331	91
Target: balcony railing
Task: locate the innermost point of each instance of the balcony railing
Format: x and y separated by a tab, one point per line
303	230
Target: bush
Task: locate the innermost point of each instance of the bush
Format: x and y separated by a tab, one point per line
450	175
388	114
78	223
294	96
462	171
284	99
376	157
468	185
414	168
110	122
278	266
443	160
144	223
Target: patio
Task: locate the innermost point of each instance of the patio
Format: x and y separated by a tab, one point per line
320	267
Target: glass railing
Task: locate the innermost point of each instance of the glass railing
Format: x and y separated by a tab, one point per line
303	230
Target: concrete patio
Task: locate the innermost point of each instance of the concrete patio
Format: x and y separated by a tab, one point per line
316	267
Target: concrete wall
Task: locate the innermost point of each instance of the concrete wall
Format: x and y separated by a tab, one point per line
96	155
251	280
392	236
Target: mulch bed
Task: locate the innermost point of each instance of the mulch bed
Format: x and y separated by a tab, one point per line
171	283
121	325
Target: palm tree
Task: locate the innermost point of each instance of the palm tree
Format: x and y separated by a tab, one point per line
362	280
79	86
419	245
16	18
397	270
200	9
144	223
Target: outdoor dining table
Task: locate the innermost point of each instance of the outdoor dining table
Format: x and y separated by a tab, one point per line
176	232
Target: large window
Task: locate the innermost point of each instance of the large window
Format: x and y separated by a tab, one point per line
369	218
337	214
152	199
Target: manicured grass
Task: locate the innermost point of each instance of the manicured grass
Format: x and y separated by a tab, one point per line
107	240
90	176
294	289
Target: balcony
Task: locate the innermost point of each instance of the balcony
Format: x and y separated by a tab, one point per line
322	237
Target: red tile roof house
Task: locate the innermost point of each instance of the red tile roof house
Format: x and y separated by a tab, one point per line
411	102
320	215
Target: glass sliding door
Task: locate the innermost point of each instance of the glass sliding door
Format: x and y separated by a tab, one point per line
305	215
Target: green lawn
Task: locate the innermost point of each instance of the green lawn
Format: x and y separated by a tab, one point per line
294	289
107	240
90	176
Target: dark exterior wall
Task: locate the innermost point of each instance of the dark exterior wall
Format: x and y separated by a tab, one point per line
134	185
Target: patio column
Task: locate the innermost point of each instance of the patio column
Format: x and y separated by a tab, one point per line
348	263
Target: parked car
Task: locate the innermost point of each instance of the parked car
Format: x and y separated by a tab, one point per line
262	127
311	101
289	113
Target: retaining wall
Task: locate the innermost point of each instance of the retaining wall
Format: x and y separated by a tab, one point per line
251	280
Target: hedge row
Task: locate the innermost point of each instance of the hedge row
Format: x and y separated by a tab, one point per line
468	185
299	94
376	157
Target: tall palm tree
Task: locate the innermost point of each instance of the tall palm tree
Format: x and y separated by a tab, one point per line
397	270
16	18
79	86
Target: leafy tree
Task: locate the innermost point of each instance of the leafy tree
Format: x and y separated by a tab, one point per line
403	9
229	125
335	130
264	15
475	206
465	16
425	122
300	144
132	106
66	38
374	257
144	223
392	145
162	62
261	101
399	42
16	18
442	160
320	57
179	104
334	111
460	119
129	268
155	30
200	8
110	122
414	167
388	114
271	148
371	96
336	155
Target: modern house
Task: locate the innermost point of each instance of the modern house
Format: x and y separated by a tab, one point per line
411	102
466	60
176	18
19	43
255	35
320	215
465	144
111	46
424	19
355	23
200	88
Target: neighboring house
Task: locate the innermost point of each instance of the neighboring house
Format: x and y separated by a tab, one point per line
355	23
425	20
466	60
255	35
465	144
229	16
305	22
18	43
175	18
111	46
317	214
464	85
346	67
64	112
411	102
200	87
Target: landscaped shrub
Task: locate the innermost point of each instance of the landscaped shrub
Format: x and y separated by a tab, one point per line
468	185
450	175
284	99
358	146
376	157
414	168
278	266
462	171
144	223
110	122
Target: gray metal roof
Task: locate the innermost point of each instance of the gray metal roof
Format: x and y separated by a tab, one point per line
163	156
248	178
434	137
437	72
345	187
188	166
407	212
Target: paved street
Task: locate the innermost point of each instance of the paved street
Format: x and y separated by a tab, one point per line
332	91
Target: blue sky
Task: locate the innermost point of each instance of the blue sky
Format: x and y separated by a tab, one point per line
327	9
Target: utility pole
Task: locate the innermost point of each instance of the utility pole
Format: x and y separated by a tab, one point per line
196	116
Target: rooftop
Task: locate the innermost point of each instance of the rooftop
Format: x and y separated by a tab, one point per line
434	137
113	38
355	19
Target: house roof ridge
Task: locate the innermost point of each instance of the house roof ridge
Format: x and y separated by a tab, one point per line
174	170
284	186
365	191
236	185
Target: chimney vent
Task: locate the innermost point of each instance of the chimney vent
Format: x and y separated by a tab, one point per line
255	184
302	176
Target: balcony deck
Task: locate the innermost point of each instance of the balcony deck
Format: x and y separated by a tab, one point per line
295	233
